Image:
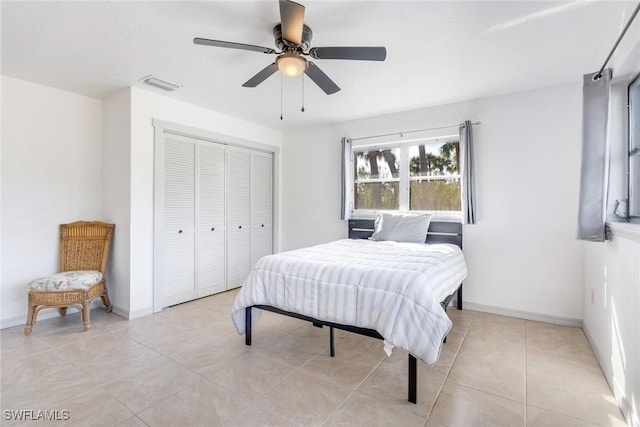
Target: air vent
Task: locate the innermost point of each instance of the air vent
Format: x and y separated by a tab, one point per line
158	82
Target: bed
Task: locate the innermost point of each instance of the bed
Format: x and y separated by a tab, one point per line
377	289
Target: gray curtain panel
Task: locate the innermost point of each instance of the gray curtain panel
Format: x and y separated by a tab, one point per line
595	157
468	174
345	210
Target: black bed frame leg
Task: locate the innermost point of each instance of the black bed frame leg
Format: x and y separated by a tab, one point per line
332	346
460	297
413	379
247	322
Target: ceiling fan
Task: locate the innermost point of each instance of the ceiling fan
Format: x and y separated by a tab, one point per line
293	38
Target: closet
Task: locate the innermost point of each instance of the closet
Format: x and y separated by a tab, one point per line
213	215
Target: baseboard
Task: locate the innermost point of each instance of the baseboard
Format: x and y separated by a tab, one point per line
600	357
564	321
618	391
50	313
130	315
43	315
22	320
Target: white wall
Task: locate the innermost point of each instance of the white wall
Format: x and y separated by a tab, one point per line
51	168
522	254
612	269
116	193
146	106
611	315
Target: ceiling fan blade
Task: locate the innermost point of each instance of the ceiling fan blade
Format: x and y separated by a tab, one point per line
261	76
232	45
292	21
321	79
356	53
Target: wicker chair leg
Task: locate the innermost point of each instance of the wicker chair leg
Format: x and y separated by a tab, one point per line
31	319
86	312
106	301
62	311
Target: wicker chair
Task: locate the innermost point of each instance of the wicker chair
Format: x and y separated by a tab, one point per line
84	248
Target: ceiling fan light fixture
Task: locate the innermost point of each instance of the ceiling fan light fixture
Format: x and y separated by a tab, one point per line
291	64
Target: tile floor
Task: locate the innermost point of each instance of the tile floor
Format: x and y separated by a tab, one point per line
187	366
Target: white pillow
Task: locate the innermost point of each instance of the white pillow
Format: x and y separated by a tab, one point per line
401	227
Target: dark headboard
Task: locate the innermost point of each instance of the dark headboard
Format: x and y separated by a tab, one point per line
439	231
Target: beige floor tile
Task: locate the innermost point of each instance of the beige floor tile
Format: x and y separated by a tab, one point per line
478	344
567	381
132	422
222	301
95	407
269	320
199	319
187	341
559	339
96	348
492	331
537	417
462	406
450	349
212	351
188	364
146	387
49	392
13	342
60	331
23	371
296	350
263	335
499	373
306	329
544	365
259	416
461	318
304	399
342	369
587	401
201	404
146	328
247	375
354	345
107	368
389	383
359	410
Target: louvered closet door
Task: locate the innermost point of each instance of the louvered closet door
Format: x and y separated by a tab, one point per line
261	205
211	208
238	218
178	259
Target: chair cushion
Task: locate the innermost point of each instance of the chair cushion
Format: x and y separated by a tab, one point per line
67	280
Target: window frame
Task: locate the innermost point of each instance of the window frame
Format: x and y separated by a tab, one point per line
404	177
633	148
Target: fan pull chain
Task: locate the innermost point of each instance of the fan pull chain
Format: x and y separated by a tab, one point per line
302	93
281	90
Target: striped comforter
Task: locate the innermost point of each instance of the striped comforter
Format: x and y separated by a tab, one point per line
394	288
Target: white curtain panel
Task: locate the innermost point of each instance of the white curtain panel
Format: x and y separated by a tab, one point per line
595	156
345	212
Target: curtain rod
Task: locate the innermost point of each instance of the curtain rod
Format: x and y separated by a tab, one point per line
615	46
411	131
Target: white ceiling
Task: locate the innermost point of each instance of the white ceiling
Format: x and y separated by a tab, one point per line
437	52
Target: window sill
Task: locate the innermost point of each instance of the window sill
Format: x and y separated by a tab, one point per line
624	230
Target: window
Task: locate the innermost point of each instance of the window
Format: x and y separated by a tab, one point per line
377	179
419	175
634	149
